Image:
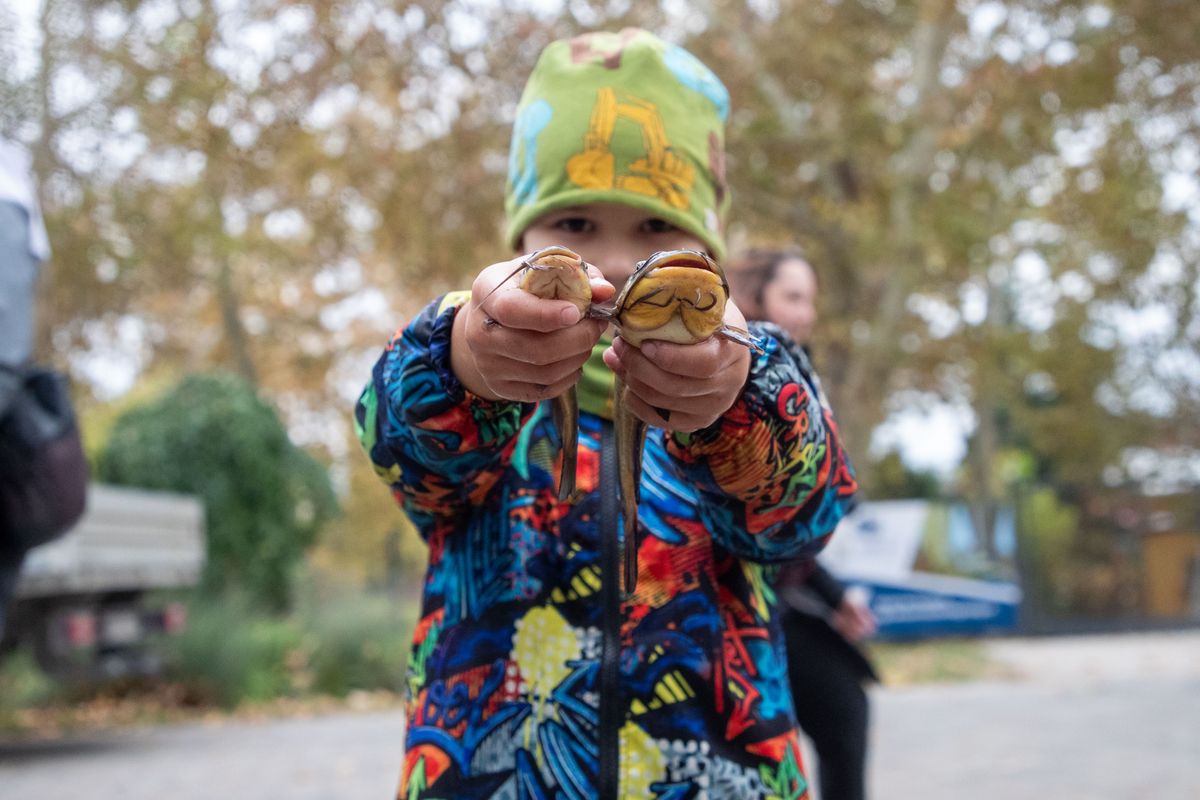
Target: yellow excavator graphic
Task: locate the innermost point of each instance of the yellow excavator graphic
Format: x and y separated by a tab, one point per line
660	174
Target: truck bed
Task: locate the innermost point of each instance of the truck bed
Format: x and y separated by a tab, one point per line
128	539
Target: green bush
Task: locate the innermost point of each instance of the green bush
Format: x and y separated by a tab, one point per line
228	654
265	499
356	642
334	643
1047	529
22	683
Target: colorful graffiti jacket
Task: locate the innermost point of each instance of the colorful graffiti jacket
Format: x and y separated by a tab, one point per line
529	676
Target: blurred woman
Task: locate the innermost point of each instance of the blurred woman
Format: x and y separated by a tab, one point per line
776	286
822	623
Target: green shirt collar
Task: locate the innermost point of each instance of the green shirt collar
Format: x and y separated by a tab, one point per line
595	388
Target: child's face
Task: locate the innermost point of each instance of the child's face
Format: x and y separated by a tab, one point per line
612	237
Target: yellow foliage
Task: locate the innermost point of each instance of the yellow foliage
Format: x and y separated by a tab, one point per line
373	543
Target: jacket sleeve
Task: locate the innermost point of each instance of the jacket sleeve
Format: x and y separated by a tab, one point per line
772	473
438	446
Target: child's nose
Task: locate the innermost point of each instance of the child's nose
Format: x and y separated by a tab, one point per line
617	262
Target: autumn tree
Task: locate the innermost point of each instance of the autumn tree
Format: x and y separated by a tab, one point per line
999	196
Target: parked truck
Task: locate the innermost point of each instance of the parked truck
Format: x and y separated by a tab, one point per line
91	603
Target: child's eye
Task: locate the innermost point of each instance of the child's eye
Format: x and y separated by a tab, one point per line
657	225
574	225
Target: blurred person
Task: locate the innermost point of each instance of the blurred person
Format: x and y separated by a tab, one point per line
777	286
822	622
531	675
23	246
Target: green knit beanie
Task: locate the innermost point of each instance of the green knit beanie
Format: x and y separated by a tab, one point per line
621	118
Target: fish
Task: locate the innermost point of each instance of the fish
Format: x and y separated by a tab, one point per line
558	273
673	296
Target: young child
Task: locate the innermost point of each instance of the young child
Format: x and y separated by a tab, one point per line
530	676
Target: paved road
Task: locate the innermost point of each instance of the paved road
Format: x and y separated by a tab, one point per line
1105	717
1113	717
1006	742
337	757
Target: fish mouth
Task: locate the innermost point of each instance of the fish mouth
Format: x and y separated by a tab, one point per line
554	250
681	258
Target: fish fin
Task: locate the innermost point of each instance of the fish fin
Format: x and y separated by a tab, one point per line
629	578
522	266
597	311
743	337
640	437
566	421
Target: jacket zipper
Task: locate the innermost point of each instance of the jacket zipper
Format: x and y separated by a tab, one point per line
610	653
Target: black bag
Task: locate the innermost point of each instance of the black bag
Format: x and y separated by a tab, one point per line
43	471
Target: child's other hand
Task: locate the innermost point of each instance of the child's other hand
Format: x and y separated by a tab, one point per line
508	344
694	383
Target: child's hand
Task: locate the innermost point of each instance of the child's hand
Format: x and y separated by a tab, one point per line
508	344
693	383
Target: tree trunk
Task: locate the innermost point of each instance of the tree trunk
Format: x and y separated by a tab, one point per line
871	363
235	333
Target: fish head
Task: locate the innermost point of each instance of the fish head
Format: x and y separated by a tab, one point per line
674	296
557	273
